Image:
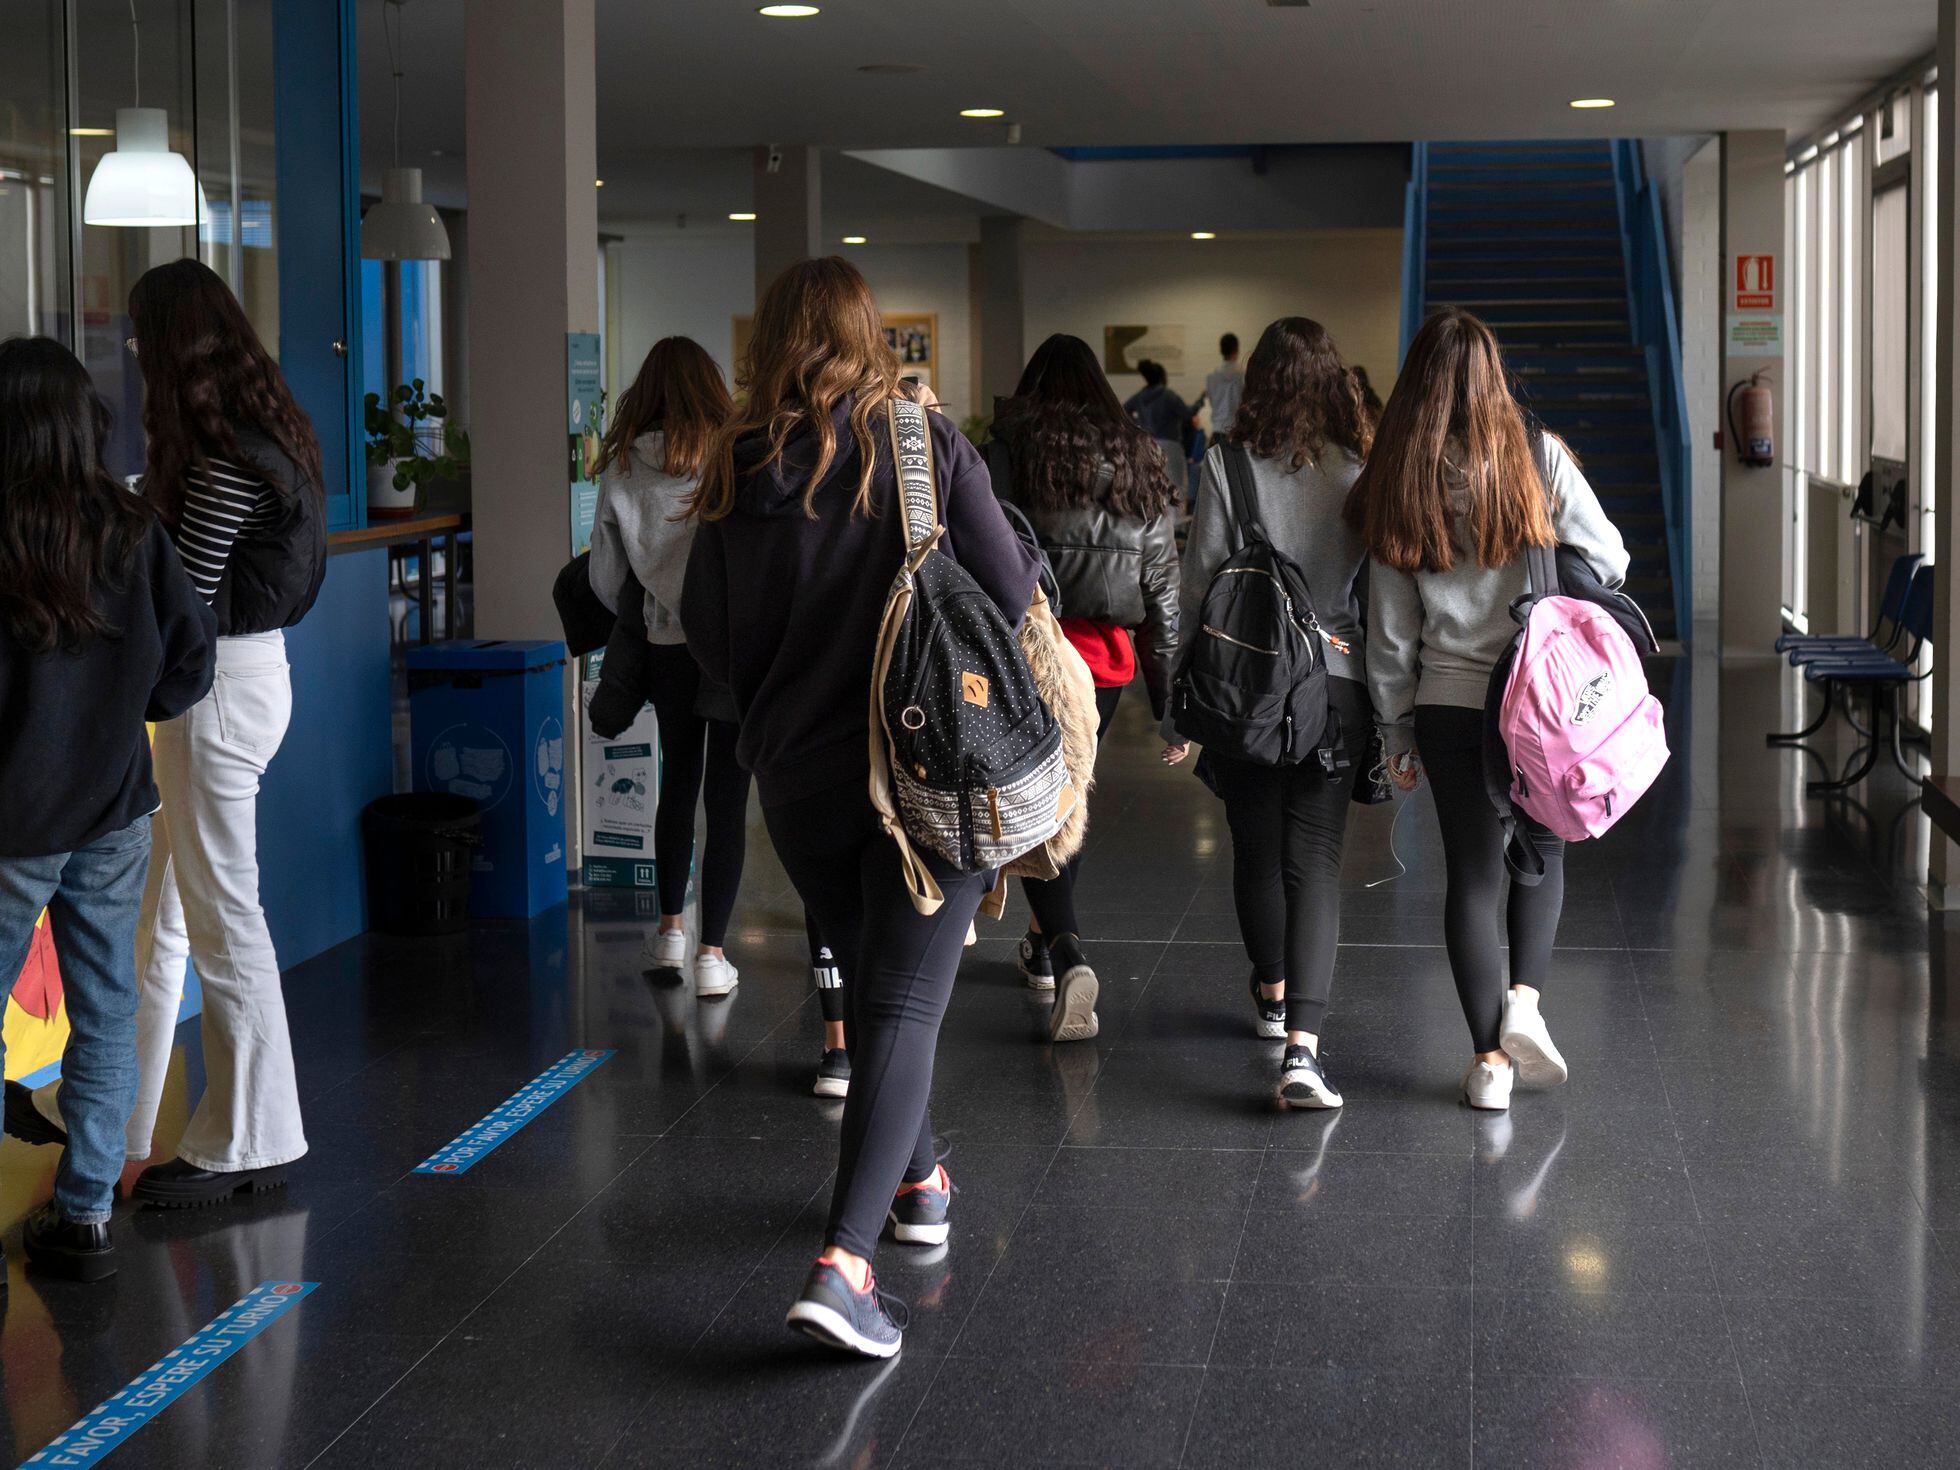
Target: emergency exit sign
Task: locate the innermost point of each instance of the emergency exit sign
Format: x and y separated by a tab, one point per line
1755	283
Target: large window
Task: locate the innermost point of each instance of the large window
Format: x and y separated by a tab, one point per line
65	71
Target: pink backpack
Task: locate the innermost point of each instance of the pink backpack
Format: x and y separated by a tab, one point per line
1583	736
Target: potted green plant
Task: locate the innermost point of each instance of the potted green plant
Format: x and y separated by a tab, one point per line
411	446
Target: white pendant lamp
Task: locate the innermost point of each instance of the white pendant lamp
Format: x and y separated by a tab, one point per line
140	183
401	226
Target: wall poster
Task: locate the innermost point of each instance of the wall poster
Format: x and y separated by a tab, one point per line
914	336
1126	346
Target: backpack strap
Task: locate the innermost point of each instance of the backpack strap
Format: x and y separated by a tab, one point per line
918	494
1239	488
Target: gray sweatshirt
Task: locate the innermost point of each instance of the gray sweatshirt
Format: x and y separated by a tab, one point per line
1301	511
1434	637
635	526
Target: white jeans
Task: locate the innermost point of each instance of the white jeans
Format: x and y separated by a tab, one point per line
202	902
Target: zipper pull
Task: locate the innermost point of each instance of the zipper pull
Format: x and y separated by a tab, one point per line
1340	645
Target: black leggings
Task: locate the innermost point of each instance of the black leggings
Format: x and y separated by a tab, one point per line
823	965
692	747
1289	824
1450	742
1052	900
901	966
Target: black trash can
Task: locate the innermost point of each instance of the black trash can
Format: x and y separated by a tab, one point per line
418	850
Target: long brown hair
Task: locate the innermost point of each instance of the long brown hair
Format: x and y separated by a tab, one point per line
1299	397
678	391
205	376
1451	410
818	340
66	527
1064	424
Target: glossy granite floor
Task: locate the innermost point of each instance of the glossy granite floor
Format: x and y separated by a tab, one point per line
1725	1243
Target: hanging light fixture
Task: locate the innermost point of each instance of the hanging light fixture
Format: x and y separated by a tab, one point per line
401	226
140	183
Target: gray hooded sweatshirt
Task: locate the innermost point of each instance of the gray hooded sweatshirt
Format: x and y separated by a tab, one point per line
636	527
1434	637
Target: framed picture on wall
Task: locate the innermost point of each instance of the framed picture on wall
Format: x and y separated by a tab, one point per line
1126	345
914	337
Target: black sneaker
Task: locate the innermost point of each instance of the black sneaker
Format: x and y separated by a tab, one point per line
834	1073
918	1212
866	1322
181	1185
1303	1083
27	1122
67	1248
1272	1014
1035	966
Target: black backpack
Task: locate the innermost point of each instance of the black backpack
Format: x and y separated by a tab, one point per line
1253	682
1000	470
967	759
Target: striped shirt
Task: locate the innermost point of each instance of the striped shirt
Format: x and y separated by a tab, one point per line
232	504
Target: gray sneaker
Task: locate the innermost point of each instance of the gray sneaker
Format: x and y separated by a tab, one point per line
865	1322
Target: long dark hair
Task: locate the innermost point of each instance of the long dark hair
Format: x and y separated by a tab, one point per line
678	391
1299	397
819	339
1451	408
1064	423
205	375
67	528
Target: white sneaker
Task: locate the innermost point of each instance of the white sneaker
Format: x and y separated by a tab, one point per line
1488	1086
666	949
713	975
1529	1044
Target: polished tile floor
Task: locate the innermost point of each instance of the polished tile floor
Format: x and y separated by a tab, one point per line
1734	1239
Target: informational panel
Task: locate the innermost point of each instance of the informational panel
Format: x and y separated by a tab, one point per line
585	416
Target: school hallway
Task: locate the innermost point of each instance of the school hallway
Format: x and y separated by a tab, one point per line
1728	1241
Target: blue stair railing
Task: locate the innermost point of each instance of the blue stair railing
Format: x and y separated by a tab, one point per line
1650	309
1415	245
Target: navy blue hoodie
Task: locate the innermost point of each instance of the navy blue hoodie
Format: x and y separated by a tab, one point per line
784	610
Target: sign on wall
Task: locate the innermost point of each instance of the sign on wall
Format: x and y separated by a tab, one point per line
914	337
1755	326
1126	346
585	421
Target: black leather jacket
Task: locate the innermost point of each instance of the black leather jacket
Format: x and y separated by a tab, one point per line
1112	569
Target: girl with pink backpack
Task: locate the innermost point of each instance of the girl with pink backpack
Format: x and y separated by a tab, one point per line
1452	500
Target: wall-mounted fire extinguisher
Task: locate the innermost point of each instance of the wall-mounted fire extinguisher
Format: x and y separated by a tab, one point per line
1755	435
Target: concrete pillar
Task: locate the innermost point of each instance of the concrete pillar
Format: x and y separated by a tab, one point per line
788	210
1945	858
1753	524
533	244
999	323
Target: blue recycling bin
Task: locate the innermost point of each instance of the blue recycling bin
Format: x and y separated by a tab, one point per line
487	721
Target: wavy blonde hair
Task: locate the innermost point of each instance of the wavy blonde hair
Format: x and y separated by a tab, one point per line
818	339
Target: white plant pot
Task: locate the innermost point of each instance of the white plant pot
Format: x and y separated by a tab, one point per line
383	498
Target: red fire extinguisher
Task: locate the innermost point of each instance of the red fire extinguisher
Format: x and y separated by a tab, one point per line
1755	435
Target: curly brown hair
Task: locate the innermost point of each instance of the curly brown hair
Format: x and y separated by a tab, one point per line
1299	397
1064	428
205	376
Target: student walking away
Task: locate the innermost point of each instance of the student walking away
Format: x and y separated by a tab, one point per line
1295	451
1093	488
1164	416
800	541
1451	499
1225	386
233	469
649	467
100	630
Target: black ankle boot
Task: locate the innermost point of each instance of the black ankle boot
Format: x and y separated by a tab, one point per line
179	1185
68	1248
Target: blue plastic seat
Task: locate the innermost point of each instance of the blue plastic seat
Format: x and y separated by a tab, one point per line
1804	647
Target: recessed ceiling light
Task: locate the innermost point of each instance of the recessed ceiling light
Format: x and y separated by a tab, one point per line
598	183
1204	235
742	217
854	239
1589	102
981	112
91	132
788	12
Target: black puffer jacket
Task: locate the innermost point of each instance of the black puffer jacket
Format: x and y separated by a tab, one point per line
1119	570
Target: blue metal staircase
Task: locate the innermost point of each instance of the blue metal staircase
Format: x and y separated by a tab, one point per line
1537	239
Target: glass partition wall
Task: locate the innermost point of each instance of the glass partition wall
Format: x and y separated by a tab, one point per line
67	69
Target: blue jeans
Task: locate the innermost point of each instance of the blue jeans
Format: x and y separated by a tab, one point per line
92	896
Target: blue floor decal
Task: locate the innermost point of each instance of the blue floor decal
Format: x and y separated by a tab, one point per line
512	1113
165	1381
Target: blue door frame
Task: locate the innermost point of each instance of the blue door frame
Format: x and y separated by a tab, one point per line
318	145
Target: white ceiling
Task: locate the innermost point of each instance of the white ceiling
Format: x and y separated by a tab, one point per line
714	74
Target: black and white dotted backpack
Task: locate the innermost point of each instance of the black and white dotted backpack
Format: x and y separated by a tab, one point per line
966	760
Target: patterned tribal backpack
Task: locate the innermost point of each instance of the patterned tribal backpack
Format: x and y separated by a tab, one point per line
966	760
